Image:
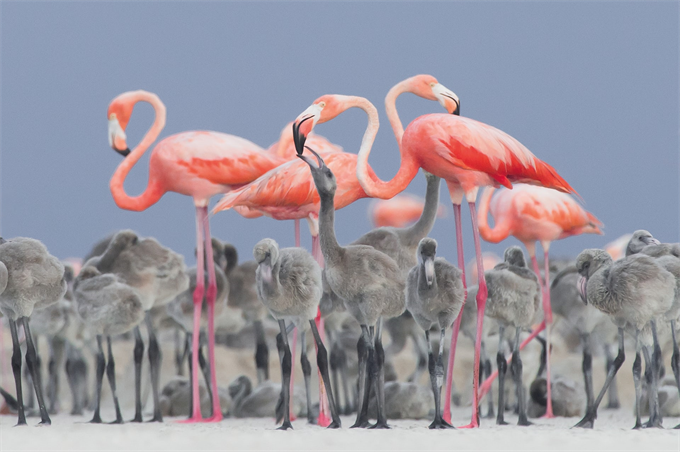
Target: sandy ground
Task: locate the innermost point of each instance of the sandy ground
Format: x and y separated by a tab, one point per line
612	432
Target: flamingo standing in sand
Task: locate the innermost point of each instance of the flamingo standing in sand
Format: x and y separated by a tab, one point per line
466	153
200	164
533	214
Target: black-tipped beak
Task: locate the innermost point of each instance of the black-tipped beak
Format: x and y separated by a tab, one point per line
125	152
298	137
457	110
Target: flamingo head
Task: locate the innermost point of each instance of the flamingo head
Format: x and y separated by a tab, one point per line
587	263
266	254
639	240
427	248
323	109
514	256
324	179
427	87
120	110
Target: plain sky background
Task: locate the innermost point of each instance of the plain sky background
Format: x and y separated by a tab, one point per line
591	88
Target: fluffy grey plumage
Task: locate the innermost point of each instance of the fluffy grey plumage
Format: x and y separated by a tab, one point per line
643	242
288	281
401	244
514	291
404	401
35	278
158	273
242	286
634	290
105	303
434	289
567	397
260	401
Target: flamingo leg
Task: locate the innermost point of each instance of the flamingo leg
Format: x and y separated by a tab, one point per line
446	415
547	310
211	294
481	305
324	419
196	415
292	374
297	233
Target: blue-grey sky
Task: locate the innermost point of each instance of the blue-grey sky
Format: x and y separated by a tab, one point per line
591	88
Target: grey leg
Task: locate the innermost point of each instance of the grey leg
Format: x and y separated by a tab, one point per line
363	347
587	368
436	369
521	396
155	357
485	372
57	351
139	356
652	391
322	363
307	372
637	380
76	375
111	375
179	353
188	351
422	358
589	419
286	367
502	368
32	362
334	364
613	391
657	420
378	376
205	368
101	363
675	360
16	369
261	352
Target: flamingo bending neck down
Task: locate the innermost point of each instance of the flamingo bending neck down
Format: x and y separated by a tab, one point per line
533	214
467	154
200	164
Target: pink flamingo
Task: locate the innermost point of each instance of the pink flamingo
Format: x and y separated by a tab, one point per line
533	214
617	248
467	154
199	164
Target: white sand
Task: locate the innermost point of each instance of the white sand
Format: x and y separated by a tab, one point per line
612	432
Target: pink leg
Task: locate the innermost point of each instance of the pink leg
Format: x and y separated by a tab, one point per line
481	305
486	386
292	379
297	233
456	326
196	415
316	250
547	309
210	299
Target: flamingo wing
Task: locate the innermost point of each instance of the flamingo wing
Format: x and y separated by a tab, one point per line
473	145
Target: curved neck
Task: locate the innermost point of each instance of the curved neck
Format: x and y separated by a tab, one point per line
154	190
500	231
425	223
391	108
372	185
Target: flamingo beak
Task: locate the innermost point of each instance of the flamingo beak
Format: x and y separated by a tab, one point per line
310	162
117	137
650	241
582	282
447	99
303	126
266	269
429	271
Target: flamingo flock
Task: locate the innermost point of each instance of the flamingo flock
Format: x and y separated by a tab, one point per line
391	279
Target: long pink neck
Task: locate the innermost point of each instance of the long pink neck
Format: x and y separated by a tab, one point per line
408	169
500	231
154	189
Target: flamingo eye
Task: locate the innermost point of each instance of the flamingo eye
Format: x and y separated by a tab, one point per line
322	104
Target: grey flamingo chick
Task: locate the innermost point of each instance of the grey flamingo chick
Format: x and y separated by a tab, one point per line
32	279
108	307
369	282
289	285
514	299
586	320
243	296
667	255
159	275
434	296
401	244
259	401
634	291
